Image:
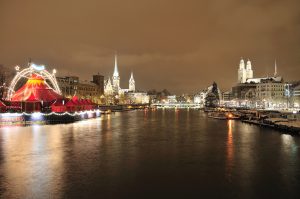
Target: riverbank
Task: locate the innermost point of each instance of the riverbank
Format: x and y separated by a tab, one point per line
286	122
105	109
291	127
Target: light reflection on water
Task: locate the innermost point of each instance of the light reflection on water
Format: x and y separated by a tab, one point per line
138	153
31	165
230	152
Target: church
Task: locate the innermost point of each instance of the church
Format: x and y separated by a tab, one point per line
245	73
112	86
264	92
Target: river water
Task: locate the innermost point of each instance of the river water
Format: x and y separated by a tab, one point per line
149	154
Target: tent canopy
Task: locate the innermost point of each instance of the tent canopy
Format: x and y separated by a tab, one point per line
35	89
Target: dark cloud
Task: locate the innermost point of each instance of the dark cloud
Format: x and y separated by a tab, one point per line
174	44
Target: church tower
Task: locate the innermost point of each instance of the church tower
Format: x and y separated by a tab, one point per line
249	71
108	88
131	83
116	77
242	72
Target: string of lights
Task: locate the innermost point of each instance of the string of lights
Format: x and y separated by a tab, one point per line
53	113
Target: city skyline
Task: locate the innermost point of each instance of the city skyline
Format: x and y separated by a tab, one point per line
185	48
149	99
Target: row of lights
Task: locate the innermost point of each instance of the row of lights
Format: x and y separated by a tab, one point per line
37	114
36	67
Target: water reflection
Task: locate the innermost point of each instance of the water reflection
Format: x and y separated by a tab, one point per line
230	150
138	152
288	145
33	162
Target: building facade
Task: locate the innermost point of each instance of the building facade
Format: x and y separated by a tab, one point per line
227	96
71	86
271	93
88	90
68	85
99	81
137	98
296	97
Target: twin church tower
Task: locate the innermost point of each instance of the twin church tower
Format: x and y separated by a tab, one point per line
245	73
113	87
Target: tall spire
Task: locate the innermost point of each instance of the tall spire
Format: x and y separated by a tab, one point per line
275	71
131	83
116	72
131	76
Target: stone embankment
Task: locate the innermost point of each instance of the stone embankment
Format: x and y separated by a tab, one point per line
291	126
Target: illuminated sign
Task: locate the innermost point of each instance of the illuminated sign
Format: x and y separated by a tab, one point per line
37	67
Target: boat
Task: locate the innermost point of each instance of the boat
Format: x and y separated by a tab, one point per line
223	115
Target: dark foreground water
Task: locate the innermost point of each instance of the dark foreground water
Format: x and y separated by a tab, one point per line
158	154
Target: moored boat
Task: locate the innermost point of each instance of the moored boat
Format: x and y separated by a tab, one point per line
223	115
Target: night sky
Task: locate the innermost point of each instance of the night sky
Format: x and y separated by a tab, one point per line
181	45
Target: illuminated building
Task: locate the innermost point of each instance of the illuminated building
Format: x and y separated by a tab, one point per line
200	98
116	77
71	86
264	92
88	90
131	83
113	87
68	85
244	73
271	92
108	88
137	97
227	96
209	93
296	96
245	91
171	99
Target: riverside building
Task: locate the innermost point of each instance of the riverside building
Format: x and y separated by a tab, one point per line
72	86
265	92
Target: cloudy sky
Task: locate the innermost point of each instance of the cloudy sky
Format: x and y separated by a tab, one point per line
181	45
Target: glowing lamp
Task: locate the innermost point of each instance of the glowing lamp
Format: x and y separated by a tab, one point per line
37	116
